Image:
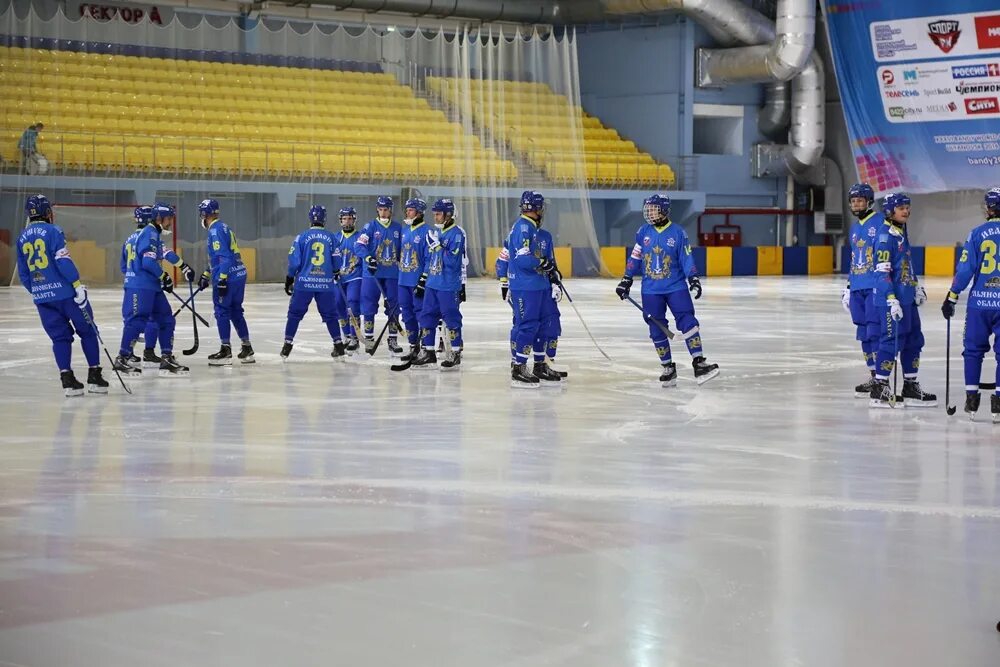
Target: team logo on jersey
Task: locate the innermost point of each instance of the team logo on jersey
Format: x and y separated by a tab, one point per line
993	283
944	33
646	240
671	242
871	232
656	264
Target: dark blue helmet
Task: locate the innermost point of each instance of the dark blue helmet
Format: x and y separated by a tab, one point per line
532	202
161	210
317	215
892	201
417	204
144	215
348	211
208	207
37	206
992	201
445	206
384	201
862	190
656	204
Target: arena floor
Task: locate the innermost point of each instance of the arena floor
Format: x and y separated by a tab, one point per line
314	513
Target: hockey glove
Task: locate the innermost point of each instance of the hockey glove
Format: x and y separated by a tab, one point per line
694	286
372	264
421	287
289	281
205	280
80	298
948	307
624	287
555	276
222	288
504	288
545	266
920	298
461	295
187	272
845	299
895	310
166	282
557	293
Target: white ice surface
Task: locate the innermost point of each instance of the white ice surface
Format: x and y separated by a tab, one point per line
314	513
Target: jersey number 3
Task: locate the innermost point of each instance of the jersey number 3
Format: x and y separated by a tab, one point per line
37	258
318	258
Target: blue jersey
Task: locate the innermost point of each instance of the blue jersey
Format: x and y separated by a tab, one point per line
863	238
314	259
224	254
662	255
978	265
382	241
894	266
524	255
141	257
413	254
446	258
44	265
350	262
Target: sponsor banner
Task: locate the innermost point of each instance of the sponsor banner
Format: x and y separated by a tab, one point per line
941	90
936	35
920	91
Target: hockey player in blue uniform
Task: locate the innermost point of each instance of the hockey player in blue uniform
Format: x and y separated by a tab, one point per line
529	284
228	277
978	265
350	276
378	248
446	260
313	269
897	296
50	276
858	296
662	256
145	307
550	327
413	273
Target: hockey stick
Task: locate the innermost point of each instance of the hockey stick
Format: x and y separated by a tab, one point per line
390	319
663	326
562	288
895	364
186	303
194	321
949	408
93	325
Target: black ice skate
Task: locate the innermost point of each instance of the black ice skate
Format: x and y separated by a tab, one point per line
452	361
71	386
286	350
704	371
425	359
864	389
352	344
246	354
169	368
915	397
339	350
972	405
669	376
96	384
882	398
560	373
149	358
995	408
134	359
393	344
369	344
125	365
411	355
545	374
224	357
520	378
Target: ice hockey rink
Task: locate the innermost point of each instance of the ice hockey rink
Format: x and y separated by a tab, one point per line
321	513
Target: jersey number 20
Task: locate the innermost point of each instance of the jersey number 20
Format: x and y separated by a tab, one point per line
37	258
